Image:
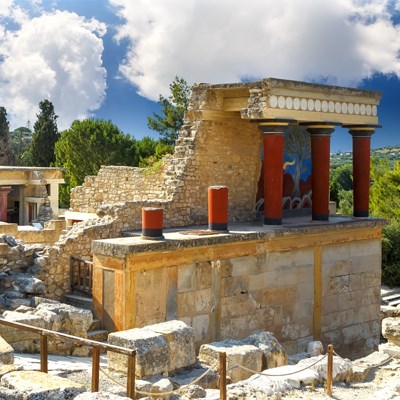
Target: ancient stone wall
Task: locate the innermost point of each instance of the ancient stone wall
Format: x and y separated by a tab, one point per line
311	283
114	184
208	152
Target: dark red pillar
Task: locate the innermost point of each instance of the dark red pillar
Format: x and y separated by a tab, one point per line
273	140
361	168
3	202
218	208
152	223
320	163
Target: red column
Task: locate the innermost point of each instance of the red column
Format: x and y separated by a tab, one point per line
273	140
320	163
361	169
152	223
3	202
218	208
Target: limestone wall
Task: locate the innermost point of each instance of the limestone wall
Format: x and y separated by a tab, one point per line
114	184
301	285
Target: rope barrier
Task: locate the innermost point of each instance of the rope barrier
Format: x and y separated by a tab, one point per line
272	375
377	365
161	393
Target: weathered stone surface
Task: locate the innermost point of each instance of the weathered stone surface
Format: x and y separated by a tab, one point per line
274	355
194	392
33	385
55	316
209	381
389	311
180	341
238	353
391	330
162	386
393	350
314	349
342	368
100	396
28	284
363	366
6	352
152	354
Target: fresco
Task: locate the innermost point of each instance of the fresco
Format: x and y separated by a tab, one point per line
297	188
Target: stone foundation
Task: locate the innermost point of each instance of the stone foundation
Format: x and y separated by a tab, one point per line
301	282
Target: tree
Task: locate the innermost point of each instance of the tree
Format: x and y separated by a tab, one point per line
341	178
385	189
45	136
86	146
173	110
6	154
21	139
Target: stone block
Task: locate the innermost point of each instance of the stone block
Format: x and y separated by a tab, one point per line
238	353
180	342
40	386
152	355
6	352
274	355
391	330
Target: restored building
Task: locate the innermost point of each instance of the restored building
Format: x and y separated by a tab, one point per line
23	190
302	275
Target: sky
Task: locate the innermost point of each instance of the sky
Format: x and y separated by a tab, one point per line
111	59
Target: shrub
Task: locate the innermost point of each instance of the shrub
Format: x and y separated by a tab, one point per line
391	254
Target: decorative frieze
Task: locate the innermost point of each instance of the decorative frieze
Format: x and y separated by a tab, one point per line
325	106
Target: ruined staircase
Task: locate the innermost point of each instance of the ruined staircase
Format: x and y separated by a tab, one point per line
77	299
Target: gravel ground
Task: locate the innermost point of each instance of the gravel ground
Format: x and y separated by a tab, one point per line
383	383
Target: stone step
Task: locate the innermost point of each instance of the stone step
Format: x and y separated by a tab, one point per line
100	335
395	296
79	301
96	325
394	303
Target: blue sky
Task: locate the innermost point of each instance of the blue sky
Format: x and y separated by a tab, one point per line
112	58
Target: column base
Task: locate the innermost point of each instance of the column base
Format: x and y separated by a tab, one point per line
152	234
320	217
361	214
215	226
272	221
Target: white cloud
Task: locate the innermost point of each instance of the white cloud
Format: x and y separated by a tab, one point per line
332	41
55	56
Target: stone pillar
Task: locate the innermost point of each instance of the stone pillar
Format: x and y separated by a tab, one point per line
152	223
320	163
361	168
273	140
3	202
218	208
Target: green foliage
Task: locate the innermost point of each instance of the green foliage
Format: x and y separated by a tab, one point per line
345	202
151	159
45	136
173	110
86	146
21	139
6	155
391	254
385	189
341	178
